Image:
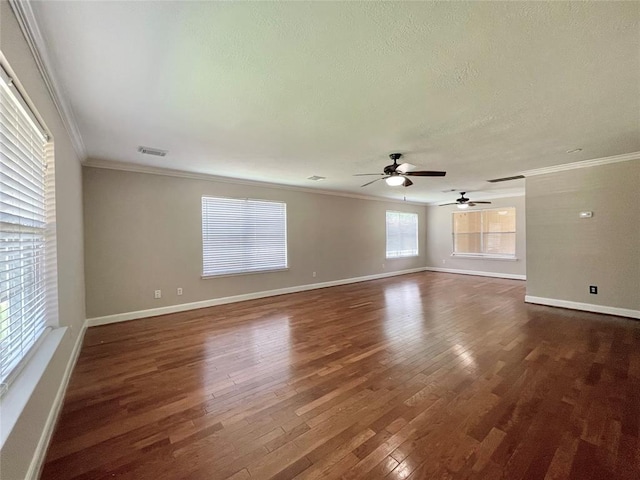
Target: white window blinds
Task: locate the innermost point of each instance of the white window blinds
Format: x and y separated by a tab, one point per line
243	236
26	232
402	234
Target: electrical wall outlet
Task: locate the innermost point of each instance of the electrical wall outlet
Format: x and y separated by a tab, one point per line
157	294
179	290
313	274
593	289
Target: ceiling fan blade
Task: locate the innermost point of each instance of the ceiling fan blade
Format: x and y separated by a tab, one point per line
404	168
373	181
481	202
407	182
426	173
445	204
363	174
471	204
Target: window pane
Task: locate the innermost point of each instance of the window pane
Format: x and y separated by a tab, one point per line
503	220
25	185
467	243
485	232
500	243
243	236
402	234
467	222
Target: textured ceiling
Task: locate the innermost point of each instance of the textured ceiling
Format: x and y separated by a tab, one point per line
279	92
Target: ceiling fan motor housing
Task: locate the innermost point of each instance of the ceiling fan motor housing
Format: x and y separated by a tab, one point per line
391	169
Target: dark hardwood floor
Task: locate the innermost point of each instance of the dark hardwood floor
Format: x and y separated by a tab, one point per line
423	376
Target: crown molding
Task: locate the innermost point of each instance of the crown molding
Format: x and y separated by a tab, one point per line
29	26
625	157
135	168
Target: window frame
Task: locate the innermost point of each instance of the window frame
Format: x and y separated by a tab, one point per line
417	235
39	271
482	255
207	274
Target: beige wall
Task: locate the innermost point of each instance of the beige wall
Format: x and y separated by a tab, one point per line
18	450
439	242
143	233
566	254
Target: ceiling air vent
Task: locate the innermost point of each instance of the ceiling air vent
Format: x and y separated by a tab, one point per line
153	151
506	179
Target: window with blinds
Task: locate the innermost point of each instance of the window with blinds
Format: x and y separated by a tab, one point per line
26	232
243	236
402	234
490	232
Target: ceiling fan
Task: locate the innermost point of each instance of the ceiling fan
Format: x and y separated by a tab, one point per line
463	202
396	175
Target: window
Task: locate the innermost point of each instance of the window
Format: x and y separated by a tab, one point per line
28	297
243	236
402	234
490	233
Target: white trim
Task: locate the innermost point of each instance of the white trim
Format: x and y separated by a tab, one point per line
152	312
512	276
40	454
16	90
16	397
130	167
583	164
588	307
29	26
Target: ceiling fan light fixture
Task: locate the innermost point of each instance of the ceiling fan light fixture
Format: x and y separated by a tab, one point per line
395	181
462	206
397	175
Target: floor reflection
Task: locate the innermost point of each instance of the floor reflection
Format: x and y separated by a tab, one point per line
404	313
260	350
407	319
466	356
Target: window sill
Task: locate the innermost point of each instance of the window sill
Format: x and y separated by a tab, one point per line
485	257
15	399
402	256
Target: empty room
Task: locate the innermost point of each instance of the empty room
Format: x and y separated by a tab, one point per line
319	240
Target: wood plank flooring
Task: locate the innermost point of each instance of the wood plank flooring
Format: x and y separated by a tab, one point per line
423	376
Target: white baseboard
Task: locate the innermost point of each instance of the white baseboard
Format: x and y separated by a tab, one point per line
511	276
152	312
587	307
39	456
